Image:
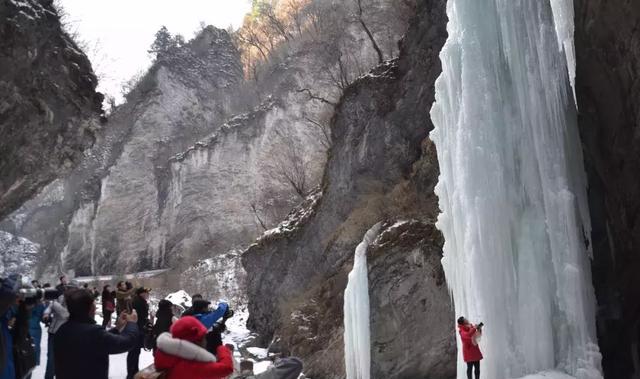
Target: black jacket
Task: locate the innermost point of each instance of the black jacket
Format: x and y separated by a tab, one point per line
82	349
142	308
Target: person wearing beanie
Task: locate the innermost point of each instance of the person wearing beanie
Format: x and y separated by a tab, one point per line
181	353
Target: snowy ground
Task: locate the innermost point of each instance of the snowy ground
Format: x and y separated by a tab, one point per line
117	363
549	375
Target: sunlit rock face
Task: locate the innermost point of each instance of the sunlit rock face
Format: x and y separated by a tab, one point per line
607	42
49	108
382	167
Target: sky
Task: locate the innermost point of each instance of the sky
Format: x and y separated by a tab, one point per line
118	33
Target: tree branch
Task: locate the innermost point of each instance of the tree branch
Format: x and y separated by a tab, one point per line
313	96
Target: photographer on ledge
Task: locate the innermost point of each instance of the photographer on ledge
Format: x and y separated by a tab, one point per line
470	335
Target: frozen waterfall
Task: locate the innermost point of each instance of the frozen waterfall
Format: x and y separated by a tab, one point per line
512	187
357	345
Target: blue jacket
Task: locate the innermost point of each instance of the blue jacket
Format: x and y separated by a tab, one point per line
82	348
36	317
9	371
210	318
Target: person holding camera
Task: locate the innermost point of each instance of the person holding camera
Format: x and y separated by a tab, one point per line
140	304
82	347
55	315
181	353
470	335
124	297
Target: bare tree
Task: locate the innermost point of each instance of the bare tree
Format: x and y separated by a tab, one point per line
313	96
277	24
360	18
290	164
324	129
256	214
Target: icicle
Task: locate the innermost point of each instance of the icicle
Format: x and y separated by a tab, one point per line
512	187
357	345
563	16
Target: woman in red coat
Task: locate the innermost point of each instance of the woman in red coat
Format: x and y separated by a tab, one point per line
469	335
181	353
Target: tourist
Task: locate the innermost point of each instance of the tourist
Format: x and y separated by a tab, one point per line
108	305
124	295
82	348
181	353
141	306
164	318
55	315
470	335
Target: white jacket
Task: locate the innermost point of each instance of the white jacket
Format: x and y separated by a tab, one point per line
60	315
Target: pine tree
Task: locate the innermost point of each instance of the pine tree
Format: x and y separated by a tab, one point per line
163	42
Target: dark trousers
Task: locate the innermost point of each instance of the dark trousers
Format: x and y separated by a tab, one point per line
106	318
133	358
50	370
471	365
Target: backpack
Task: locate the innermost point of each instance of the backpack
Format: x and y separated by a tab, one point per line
150	372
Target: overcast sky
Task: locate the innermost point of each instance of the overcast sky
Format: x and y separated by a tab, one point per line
119	32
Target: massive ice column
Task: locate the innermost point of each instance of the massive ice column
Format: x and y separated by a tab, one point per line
512	187
357	336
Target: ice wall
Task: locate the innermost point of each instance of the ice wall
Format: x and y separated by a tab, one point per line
357	340
512	187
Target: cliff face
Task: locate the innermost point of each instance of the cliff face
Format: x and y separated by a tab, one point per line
607	39
49	109
198	161
105	215
380	167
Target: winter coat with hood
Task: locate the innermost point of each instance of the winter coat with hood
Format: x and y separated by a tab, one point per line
470	351
180	356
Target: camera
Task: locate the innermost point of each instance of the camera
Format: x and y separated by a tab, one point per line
31	294
480	325
27	293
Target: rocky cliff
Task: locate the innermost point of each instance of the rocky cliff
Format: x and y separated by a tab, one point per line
380	167
49	108
104	216
607	39
199	161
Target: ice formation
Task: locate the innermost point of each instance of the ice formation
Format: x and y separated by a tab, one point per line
357	345
512	187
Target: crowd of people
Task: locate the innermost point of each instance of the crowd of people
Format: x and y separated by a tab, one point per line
187	345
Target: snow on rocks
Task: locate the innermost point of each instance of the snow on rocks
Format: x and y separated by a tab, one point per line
296	218
18	255
180	298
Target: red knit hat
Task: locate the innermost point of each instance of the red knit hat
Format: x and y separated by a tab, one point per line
188	328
